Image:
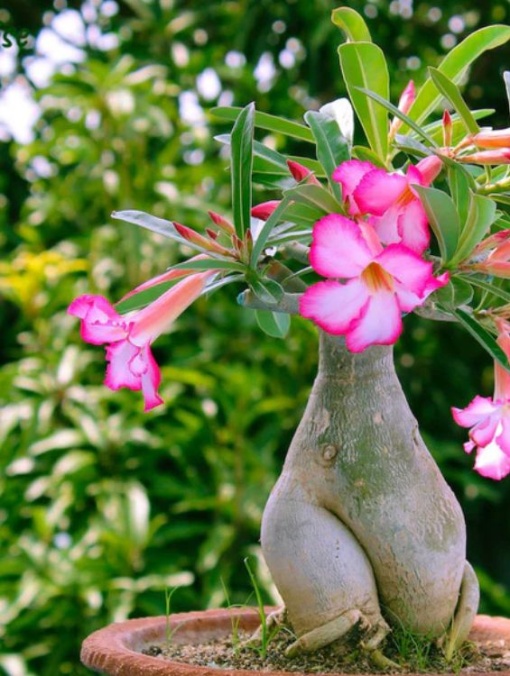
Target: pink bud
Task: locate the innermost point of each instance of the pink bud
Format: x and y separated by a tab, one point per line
404	104
447	128
200	240
498	156
221	222
300	172
430	168
499	138
264	209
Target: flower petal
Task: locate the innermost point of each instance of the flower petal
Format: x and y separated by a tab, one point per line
118	373
100	322
151	380
491	462
406	267
378	191
379	324
478	409
484	432
135	368
349	174
413	226
338	248
503	438
334	306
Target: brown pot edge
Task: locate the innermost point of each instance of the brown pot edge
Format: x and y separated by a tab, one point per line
114	649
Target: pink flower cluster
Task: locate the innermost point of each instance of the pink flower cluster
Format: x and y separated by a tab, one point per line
128	338
489	419
372	258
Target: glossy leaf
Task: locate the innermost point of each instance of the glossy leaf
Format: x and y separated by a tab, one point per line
482	214
266	290
452	93
352	24
149	222
461	185
490	288
261	240
268	122
455	64
364	67
331	147
274	324
443	219
486	339
316	196
241	141
395	111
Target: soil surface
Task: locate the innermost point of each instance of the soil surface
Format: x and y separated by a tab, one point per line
408	654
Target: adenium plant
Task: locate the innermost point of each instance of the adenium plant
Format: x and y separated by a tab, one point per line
413	220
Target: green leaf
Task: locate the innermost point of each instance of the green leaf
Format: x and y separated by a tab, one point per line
241	167
274	324
352	24
268	122
332	147
462	185
490	288
482	214
451	92
455	64
316	196
443	218
506	79
481	334
457	292
262	237
395	111
364	67
144	220
267	290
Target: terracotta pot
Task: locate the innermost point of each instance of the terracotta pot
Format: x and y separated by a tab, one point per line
116	649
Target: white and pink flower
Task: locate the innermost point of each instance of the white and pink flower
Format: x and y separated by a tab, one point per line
368	286
128	337
388	199
489	420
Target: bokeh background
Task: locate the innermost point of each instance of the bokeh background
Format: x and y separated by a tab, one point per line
104	106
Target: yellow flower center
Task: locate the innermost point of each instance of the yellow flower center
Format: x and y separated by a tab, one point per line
376	278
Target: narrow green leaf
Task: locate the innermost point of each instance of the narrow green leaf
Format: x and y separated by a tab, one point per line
456	293
153	223
267	290
241	141
215	263
461	185
443	219
506	79
481	334
274	324
316	196
490	288
482	214
261	240
364	67
455	64
395	111
452	93
268	122
331	147
367	155
352	24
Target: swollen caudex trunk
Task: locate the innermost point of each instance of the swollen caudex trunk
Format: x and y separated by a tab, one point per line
361	528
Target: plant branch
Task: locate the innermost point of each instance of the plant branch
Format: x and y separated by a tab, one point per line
288	304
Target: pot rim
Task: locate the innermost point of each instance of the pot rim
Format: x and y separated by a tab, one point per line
116	648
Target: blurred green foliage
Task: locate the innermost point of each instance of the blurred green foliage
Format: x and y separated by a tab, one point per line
104	507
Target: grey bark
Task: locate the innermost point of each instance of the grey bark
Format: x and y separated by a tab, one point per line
361	525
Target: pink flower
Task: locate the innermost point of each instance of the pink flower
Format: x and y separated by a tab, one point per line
494	252
489	420
382	283
394	210
128	338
